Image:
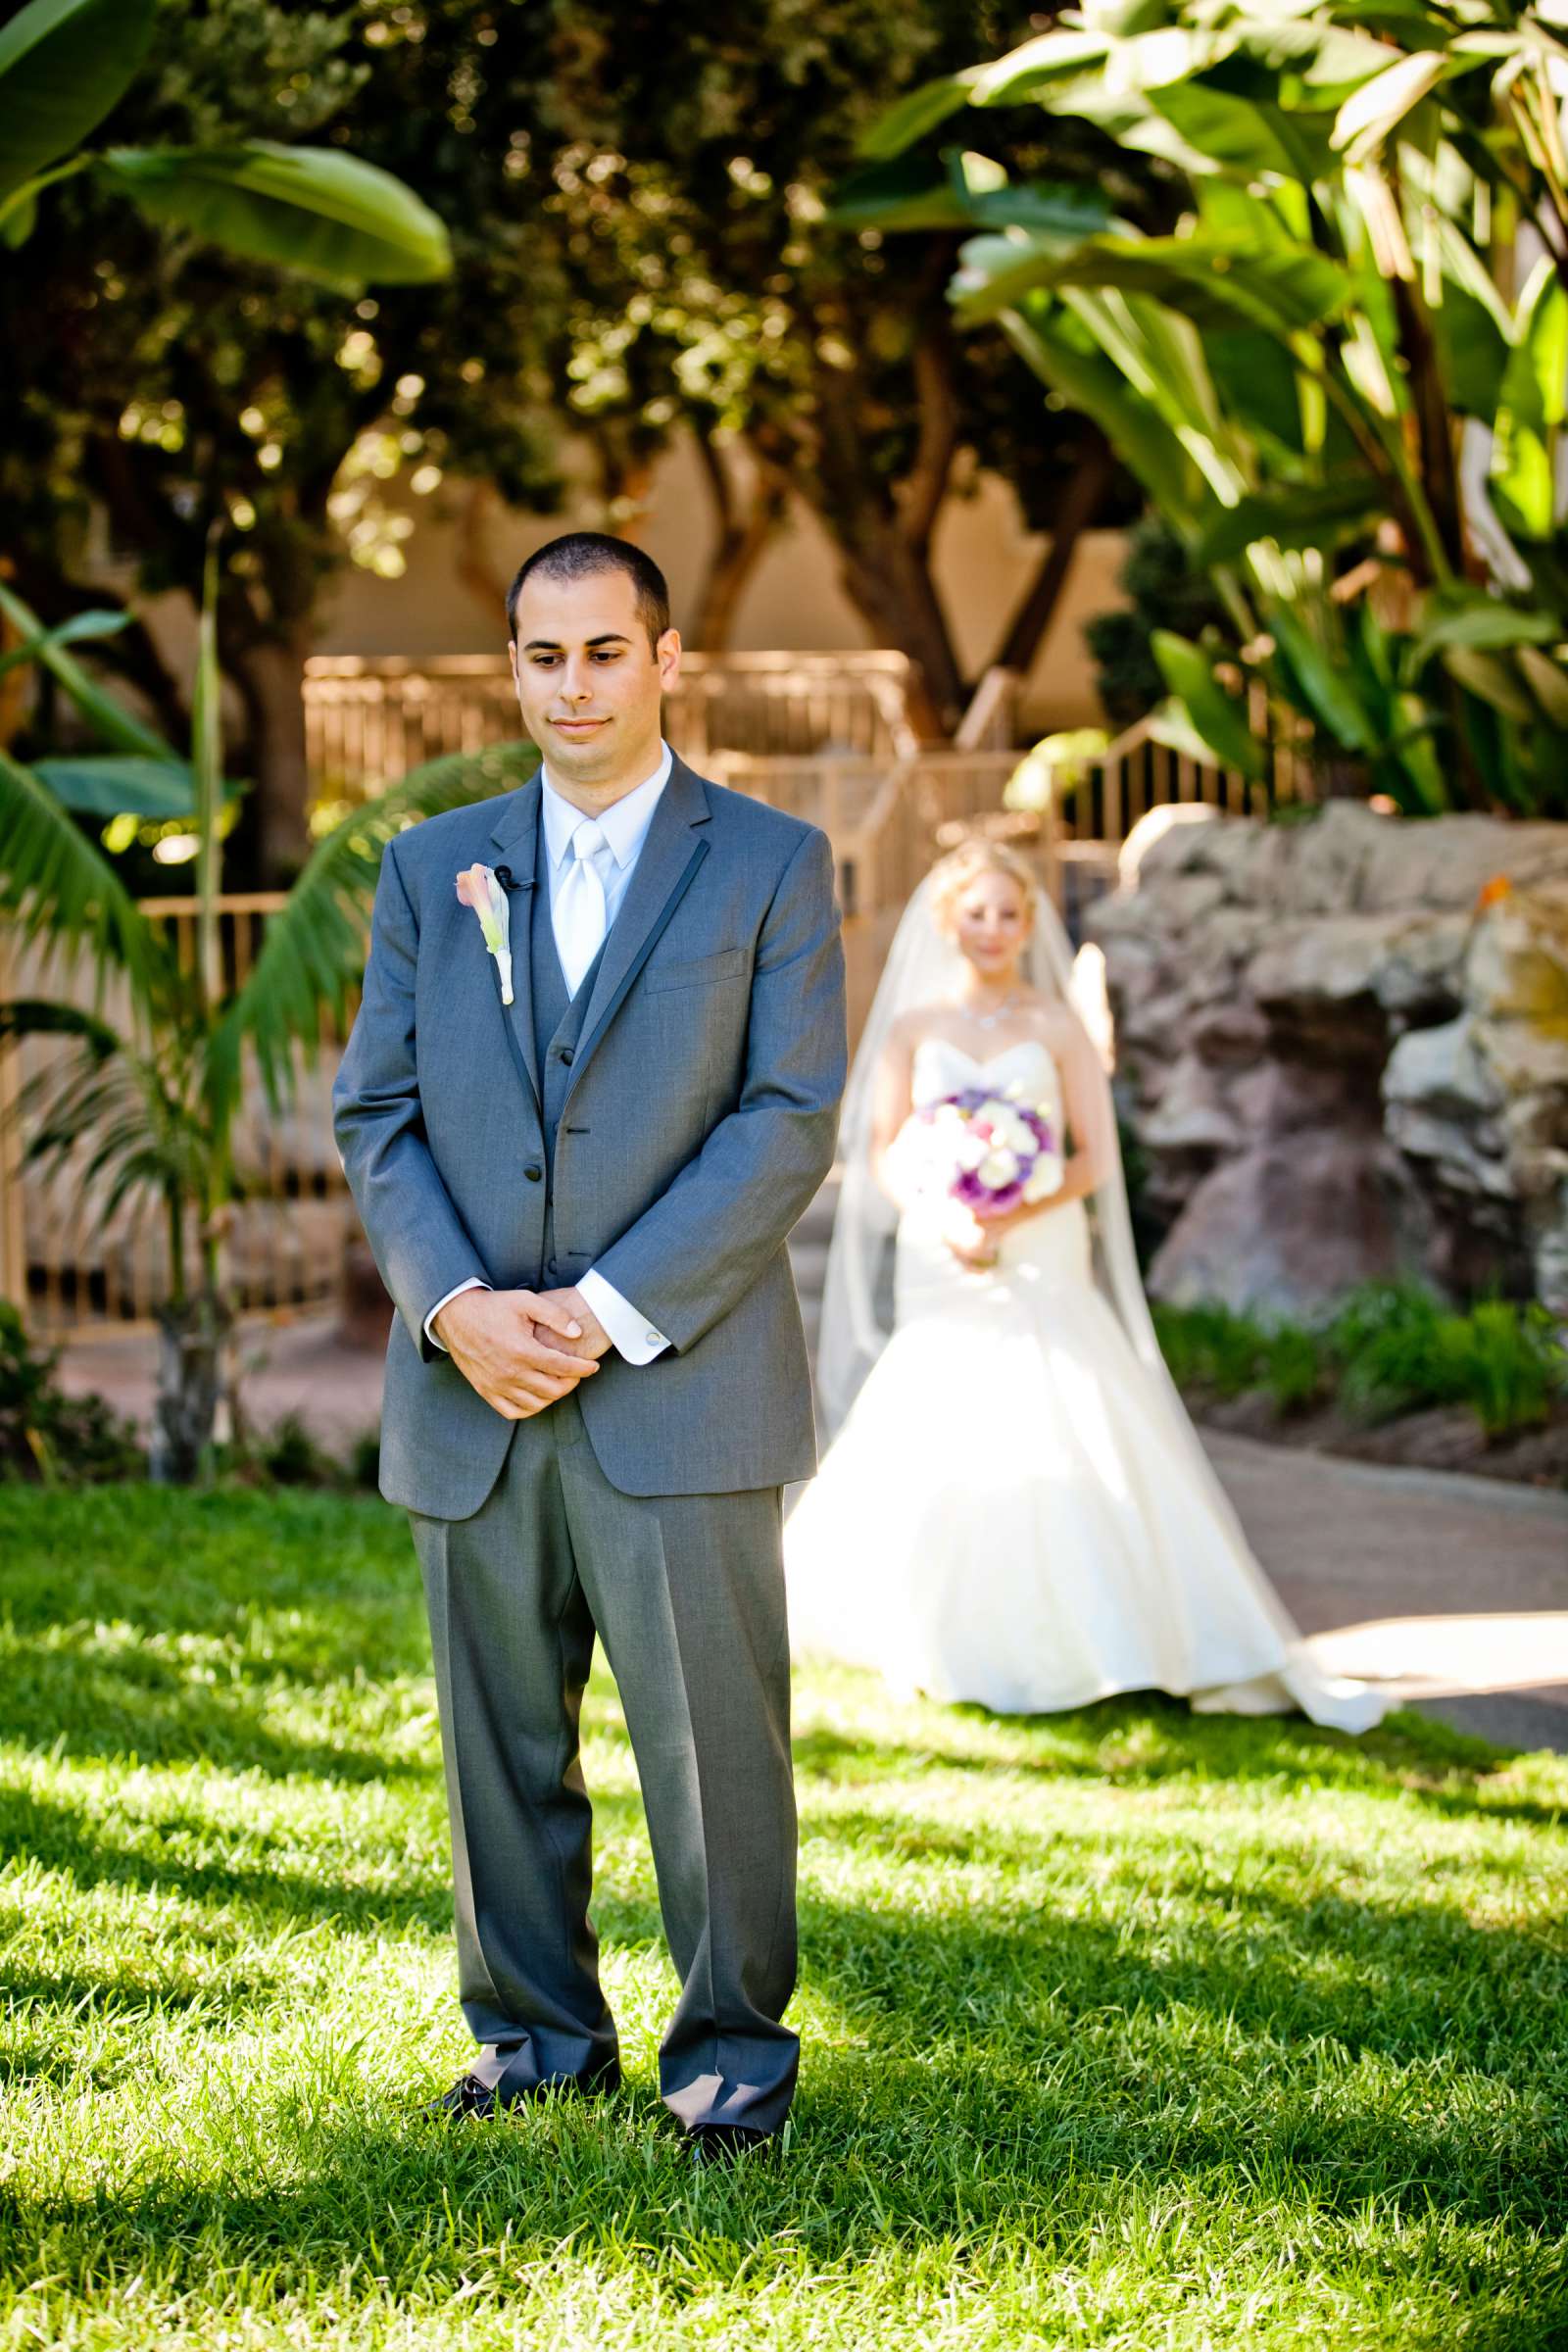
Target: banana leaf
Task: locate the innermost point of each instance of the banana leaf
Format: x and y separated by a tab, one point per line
113	722
1218	718
78	630
1314	515
963	191
919	111
1470	620
1530	405
1324	688
312	208
120	785
1207	280
1053	343
64	64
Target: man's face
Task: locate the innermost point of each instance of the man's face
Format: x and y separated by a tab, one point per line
589	684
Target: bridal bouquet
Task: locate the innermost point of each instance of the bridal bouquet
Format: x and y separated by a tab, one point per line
989	1152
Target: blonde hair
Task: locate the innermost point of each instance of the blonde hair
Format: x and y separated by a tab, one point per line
951	876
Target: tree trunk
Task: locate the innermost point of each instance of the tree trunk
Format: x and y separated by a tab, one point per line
746	525
1079	506
191	1338
475	565
883	531
275	836
890	585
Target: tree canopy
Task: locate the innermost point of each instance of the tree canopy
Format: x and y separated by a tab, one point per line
639	214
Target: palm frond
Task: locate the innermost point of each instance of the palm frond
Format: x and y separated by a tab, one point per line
45	1016
313	956
105	1115
57	884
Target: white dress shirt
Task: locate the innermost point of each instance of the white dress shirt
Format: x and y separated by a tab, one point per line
626	828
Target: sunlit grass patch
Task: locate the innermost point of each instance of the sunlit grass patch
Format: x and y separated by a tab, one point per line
1122	2029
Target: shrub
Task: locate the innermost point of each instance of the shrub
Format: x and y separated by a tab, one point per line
1504	1362
1385	1341
46	1434
365	1460
1211	1348
291	1457
1392	1348
1294	1372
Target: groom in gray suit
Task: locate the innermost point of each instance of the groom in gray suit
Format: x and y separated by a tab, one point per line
597	1383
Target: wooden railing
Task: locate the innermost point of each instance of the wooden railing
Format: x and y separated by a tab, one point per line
1137	774
367	719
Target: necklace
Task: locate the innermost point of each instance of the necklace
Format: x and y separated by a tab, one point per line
989	1021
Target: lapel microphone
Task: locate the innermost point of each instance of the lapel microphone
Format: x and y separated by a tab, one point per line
504	877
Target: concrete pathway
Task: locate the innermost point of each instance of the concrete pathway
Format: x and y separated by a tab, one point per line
1457	1585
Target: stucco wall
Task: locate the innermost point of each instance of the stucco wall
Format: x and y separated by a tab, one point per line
985	560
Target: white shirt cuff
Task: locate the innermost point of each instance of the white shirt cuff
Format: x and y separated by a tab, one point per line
631	1335
474	1282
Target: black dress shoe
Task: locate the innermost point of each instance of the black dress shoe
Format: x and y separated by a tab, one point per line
727	2143
469	2096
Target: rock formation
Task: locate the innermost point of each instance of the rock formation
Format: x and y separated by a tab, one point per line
1342	1051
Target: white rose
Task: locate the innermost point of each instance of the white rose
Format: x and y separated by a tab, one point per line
1045	1178
998	1170
971	1150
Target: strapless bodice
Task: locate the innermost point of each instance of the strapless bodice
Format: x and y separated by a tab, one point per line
1024	1073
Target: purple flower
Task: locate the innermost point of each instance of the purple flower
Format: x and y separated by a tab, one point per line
998	1146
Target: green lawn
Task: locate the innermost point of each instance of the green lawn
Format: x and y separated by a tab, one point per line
1122	2029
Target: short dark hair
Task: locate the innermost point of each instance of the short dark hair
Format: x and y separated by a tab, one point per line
577	555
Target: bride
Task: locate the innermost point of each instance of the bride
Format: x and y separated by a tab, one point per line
1015	1508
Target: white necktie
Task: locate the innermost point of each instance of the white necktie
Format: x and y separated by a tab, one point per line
580	918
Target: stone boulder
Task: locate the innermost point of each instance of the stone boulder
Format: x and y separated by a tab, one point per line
1343	1047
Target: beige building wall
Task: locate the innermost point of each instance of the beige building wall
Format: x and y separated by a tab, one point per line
448	598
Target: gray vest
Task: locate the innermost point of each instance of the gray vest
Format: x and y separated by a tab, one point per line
557	1026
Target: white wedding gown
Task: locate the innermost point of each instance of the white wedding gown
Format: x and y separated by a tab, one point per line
1012	1512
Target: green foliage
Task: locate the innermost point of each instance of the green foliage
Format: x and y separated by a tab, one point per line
1391	1347
1400	1351
640	246
64	65
1165	590
1211	1348
146	1113
1293	1368
1130	2027
1294	373
46	1434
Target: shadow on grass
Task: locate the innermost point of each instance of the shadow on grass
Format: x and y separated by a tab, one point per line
64	1838
95	1710
1146	1739
957	2149
1169	1933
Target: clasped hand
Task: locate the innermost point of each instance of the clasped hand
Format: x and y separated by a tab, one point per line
977	1245
522	1349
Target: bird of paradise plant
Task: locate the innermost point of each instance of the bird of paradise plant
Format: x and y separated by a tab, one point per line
1346	370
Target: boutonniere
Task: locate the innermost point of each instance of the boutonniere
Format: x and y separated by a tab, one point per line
478	888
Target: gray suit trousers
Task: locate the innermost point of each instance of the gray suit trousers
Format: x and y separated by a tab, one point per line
687	1594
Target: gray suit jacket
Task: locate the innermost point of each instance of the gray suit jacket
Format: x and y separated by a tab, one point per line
699	1120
